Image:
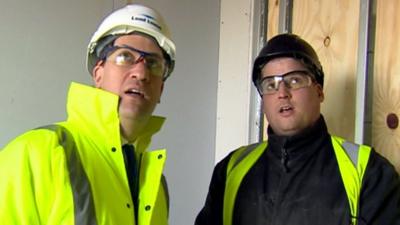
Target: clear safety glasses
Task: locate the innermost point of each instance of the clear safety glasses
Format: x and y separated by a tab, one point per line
292	80
127	56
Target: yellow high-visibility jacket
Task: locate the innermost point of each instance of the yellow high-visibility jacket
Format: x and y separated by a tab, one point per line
73	172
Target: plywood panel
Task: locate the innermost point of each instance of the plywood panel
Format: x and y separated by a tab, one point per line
331	27
272	30
386	98
273	18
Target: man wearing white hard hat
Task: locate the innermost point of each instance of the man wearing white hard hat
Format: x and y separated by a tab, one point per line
95	168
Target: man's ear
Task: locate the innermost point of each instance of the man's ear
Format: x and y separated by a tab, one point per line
97	74
320	91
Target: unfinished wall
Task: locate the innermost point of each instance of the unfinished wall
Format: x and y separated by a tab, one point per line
321	24
333	29
386	87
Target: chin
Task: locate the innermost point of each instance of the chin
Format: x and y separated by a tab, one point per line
132	114
287	130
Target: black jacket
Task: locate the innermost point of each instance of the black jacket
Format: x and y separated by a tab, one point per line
297	182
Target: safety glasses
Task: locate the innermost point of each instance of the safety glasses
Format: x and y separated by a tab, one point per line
292	80
127	56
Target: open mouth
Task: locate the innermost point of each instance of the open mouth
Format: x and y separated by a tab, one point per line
134	92
286	108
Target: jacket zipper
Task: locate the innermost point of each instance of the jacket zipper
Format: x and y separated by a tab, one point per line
284	160
278	199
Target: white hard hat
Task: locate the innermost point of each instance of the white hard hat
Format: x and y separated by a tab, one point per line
132	18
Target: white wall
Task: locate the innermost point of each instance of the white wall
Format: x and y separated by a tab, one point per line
238	101
42	49
189	102
216	44
43	46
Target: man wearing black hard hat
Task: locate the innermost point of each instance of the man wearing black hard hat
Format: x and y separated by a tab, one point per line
302	175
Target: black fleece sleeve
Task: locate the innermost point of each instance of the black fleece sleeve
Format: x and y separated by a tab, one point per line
380	193
211	213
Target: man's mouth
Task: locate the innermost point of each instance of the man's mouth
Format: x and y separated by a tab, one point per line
285	109
135	92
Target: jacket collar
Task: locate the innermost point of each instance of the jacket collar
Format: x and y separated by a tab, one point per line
299	143
95	112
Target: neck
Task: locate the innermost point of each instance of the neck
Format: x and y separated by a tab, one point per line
132	128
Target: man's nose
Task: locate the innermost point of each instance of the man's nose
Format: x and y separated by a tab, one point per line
283	90
139	70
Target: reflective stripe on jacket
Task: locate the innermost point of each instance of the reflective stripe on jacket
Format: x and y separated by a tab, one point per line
352	160
73	173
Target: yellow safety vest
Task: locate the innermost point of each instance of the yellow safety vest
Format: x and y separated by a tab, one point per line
352	160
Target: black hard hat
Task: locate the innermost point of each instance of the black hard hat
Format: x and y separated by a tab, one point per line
288	45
